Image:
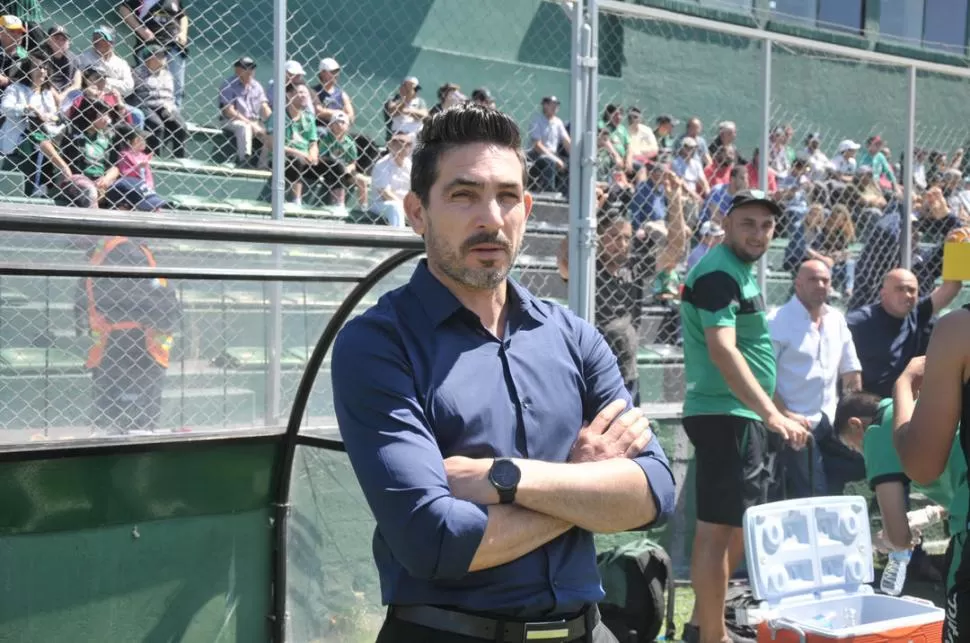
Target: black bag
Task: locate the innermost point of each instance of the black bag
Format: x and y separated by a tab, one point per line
739	596
636	576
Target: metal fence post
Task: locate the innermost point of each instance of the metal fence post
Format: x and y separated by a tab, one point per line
274	331
764	150
577	97
906	225
587	263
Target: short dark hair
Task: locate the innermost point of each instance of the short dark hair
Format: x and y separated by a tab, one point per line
451	128
854	405
738	171
609	215
294	85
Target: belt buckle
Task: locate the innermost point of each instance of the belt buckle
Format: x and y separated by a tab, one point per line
546	631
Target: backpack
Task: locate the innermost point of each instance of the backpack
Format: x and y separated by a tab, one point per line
635	578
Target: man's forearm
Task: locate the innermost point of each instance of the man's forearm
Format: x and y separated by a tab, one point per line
742	382
513	532
602	497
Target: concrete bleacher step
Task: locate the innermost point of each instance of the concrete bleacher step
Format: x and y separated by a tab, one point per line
548	211
35	402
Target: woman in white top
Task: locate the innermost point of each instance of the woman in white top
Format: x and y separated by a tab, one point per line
817	160
391	181
31	123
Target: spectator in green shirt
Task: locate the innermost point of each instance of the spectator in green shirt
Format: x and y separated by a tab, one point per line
300	144
619	135
339	151
873	157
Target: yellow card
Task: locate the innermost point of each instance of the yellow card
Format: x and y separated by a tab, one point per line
956	256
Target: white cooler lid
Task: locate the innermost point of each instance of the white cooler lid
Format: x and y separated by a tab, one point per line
799	548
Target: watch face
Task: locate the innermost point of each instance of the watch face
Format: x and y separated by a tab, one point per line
505	475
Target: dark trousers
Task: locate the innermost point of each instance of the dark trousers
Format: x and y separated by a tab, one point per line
798	464
327	172
164	126
127	387
397	631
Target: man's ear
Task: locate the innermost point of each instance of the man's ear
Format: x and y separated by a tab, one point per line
528	204
415	213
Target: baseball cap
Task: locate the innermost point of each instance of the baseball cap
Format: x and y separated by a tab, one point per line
58	29
104	33
482	94
747	197
874	140
550	99
813	136
414	81
848	144
293	68
135	194
667	118
329	64
711	229
688	141
12	23
245	62
339	117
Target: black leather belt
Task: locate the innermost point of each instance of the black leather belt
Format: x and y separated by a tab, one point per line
481	627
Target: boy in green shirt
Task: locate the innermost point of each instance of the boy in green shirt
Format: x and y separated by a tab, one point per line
864	423
338	150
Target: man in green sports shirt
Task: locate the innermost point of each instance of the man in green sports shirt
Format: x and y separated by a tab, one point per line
729	415
864	423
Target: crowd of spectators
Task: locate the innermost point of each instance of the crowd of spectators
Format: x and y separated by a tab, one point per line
75	120
843	210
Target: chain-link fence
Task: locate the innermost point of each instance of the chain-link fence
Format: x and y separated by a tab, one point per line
159	106
684	105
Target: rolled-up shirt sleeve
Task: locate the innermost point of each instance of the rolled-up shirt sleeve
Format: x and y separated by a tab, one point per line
396	458
604	383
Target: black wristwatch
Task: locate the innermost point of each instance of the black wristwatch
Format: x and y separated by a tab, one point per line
504	476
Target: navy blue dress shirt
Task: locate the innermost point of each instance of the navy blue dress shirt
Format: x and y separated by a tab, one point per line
417	379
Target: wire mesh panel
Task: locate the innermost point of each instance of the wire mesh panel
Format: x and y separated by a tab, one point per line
838	132
99	356
666	127
940	167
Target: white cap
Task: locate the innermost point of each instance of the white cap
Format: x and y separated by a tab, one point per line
414	81
709	228
294	68
329	64
728	125
848	144
688	141
339	117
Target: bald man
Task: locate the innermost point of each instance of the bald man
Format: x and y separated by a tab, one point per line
814	351
893	331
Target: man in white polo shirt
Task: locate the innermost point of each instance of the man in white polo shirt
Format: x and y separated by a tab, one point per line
813	350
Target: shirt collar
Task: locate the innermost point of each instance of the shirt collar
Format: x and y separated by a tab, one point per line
799	308
440	303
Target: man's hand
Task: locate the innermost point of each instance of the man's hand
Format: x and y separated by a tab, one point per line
794	433
468	479
798	417
913	373
609	436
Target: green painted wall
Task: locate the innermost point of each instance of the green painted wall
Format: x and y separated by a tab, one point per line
520	50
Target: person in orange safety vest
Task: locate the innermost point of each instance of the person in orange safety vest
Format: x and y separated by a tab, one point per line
131	321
